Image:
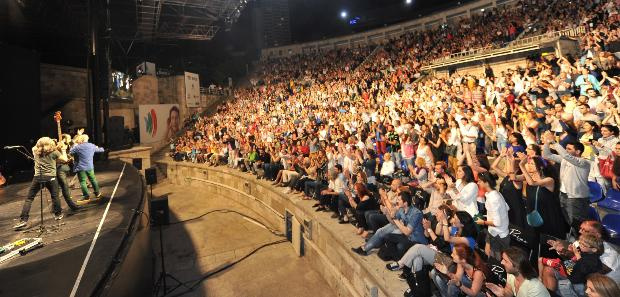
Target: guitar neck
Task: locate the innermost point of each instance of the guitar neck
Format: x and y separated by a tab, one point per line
59	131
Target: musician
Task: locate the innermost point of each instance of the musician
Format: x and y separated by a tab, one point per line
45	154
62	172
84	152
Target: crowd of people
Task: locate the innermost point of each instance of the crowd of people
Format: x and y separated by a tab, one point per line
432	168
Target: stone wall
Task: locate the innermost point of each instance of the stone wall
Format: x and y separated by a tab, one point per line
60	84
145	90
327	244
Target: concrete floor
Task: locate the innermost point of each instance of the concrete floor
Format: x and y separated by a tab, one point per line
200	246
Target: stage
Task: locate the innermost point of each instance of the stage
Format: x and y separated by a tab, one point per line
75	259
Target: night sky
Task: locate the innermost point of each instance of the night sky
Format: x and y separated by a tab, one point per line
319	19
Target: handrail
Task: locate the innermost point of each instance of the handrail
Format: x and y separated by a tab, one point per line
517	45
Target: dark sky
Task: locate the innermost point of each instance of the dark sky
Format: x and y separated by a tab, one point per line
318	19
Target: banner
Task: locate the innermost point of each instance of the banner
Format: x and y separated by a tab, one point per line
158	122
192	90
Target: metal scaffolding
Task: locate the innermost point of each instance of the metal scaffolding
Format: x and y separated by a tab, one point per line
185	19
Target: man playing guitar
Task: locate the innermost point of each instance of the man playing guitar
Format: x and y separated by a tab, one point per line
63	169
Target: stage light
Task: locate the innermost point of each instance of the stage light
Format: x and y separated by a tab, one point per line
482	9
343	14
408	1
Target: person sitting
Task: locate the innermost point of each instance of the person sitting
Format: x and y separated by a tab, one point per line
471	271
599	285
442	239
405	228
586	260
465	191
610	256
521	278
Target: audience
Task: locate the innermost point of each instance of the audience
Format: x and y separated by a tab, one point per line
405	157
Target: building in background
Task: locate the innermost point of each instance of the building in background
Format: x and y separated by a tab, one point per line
271	20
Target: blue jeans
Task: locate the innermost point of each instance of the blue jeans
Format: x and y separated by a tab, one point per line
377	239
311	187
396	157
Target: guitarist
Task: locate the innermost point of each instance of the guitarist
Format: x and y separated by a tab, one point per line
63	169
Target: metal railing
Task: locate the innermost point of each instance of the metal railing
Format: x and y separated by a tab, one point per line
516	46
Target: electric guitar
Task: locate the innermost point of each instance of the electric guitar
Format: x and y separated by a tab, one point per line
57	118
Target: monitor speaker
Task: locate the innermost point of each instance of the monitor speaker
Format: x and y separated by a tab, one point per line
137	163
160	213
150	174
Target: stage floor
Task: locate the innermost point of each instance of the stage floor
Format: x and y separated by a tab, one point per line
53	269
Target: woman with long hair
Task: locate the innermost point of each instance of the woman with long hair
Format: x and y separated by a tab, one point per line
45	154
541	186
599	285
464	191
510	187
471	271
516	142
424	150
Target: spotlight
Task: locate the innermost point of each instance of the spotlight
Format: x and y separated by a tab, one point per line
408	1
343	14
482	9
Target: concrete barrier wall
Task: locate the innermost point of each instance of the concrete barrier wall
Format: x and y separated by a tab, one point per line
326	243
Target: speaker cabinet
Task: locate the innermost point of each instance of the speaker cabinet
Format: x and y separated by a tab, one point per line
150	174
137	163
160	213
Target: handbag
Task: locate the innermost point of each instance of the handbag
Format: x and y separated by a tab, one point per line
451	150
534	218
606	167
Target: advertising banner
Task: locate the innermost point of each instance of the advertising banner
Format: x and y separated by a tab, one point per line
192	90
158	122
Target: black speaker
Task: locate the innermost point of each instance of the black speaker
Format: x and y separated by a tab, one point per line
119	137
160	213
138	164
150	174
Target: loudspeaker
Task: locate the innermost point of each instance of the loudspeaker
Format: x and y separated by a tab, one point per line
160	213
119	137
138	164
150	174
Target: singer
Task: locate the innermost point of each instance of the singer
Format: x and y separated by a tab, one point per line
45	155
84	152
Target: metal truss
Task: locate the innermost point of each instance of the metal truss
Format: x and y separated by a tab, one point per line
185	19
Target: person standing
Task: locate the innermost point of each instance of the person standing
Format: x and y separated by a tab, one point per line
63	171
45	154
84	152
574	171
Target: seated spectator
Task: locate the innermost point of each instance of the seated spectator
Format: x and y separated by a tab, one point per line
521	278
469	277
599	285
404	229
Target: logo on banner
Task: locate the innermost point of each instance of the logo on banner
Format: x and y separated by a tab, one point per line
150	122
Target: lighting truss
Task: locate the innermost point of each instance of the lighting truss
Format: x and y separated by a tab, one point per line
185	19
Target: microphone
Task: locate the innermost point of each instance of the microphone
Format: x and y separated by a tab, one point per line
10	147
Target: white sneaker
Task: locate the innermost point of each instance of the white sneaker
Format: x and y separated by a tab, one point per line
59	217
20	225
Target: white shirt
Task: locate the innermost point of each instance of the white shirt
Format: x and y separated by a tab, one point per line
497	212
465	197
387	168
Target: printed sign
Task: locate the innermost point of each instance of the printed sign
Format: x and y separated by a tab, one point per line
158	122
192	90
